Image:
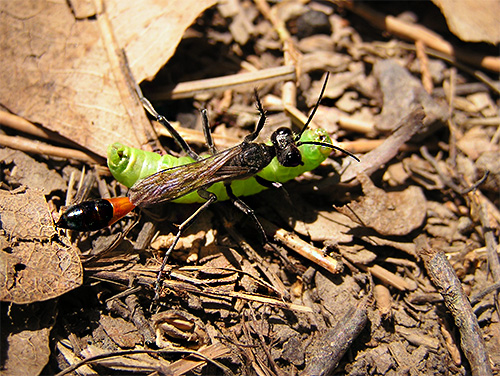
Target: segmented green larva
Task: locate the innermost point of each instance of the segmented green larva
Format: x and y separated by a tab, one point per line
129	165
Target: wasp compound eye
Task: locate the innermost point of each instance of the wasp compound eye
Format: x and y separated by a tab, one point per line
290	157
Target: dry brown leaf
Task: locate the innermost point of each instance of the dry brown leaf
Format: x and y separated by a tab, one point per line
476	141
337	84
401	92
30	173
55	73
27	348
328	226
36	271
472	21
150	30
56	70
25	215
388	213
33	268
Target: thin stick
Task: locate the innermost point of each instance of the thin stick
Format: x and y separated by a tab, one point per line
37	147
220	84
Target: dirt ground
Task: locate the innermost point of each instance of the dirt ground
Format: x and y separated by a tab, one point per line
385	263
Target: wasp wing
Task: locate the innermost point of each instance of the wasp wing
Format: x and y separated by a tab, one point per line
172	183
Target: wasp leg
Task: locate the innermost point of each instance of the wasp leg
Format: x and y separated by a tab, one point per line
211	198
245	209
208	133
163	121
262	120
267	183
274	184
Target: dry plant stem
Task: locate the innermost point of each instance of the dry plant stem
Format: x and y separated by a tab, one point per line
446	180
292	55
492	208
491	243
451	342
297	117
219	84
345	122
71	184
205	353
29	146
123	79
492	122
71	358
360	146
194	286
477	195
277	283
474	299
383	299
496	137
386	277
424	66
372	161
356	125
303	248
215	292
333	344
491	247
451	125
418	32
239	271
465	89
23	125
251	360
480	76
214	351
446	281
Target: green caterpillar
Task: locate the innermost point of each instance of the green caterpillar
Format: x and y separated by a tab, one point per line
129	165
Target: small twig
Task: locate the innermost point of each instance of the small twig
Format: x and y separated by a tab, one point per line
303	248
372	161
387	277
36	147
481	294
350	123
491	248
418	32
424	66
220	84
291	54
450	96
22	125
114	354
448	284
333	344
448	182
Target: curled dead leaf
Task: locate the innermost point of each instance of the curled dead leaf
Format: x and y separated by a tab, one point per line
388	213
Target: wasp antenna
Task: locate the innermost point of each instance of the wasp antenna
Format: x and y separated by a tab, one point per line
309	119
327	145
